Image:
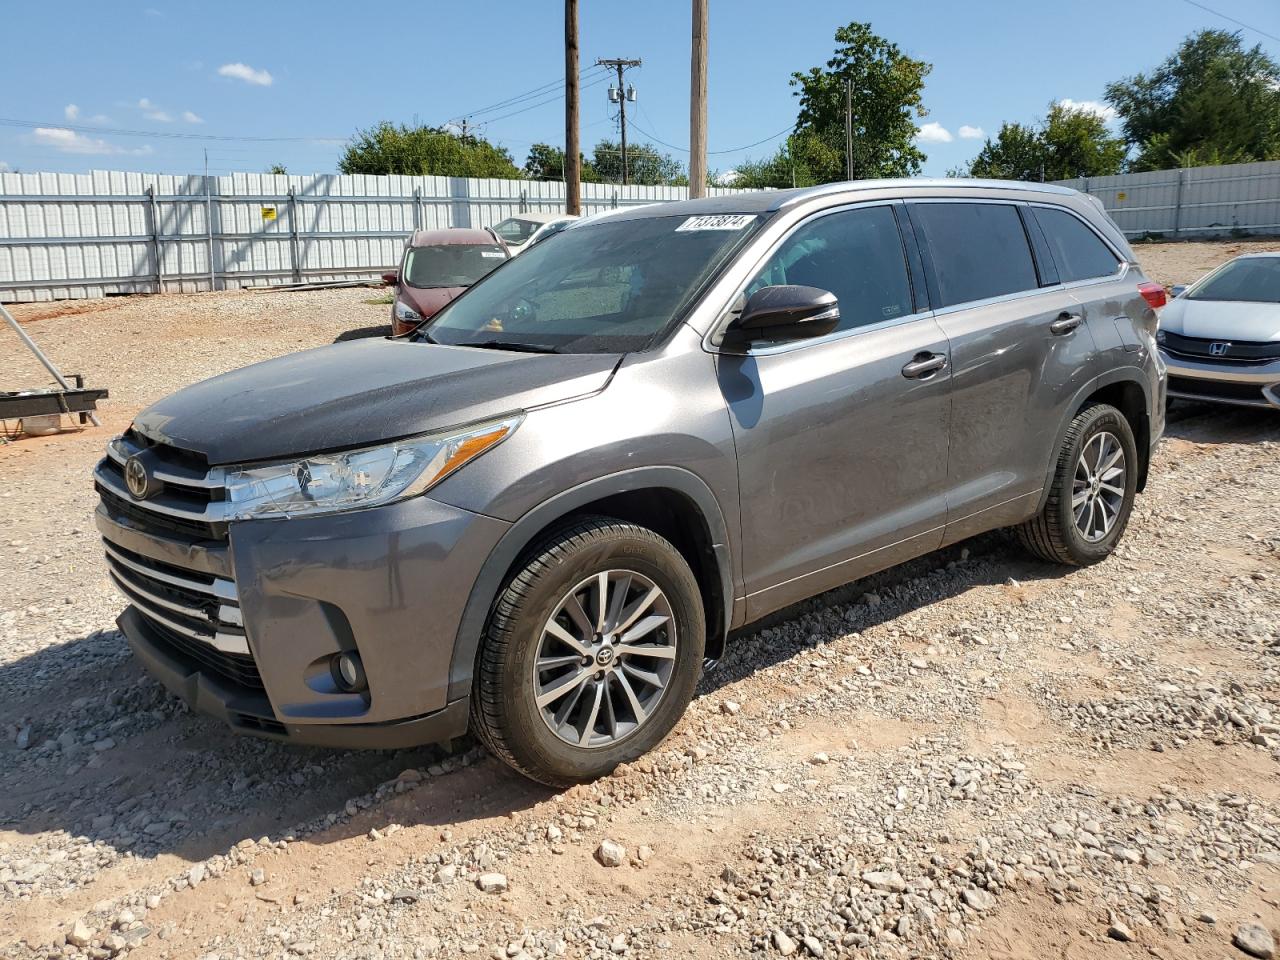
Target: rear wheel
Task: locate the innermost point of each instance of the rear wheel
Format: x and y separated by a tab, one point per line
591	654
1094	484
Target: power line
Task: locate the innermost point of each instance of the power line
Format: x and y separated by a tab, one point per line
539	91
553	99
161	134
713	153
1239	23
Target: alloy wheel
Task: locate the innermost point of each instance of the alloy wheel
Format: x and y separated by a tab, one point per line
1098	488
605	658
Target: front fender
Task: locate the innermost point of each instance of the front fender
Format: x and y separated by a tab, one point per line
530	526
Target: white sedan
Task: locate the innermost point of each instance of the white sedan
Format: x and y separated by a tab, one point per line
1220	337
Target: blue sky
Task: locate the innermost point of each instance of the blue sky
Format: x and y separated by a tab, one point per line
320	70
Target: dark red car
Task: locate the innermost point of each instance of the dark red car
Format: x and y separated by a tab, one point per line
437	266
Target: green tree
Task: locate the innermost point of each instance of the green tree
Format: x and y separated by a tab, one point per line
389	148
1212	101
798	162
645	164
887	88
276	168
546	162
1069	142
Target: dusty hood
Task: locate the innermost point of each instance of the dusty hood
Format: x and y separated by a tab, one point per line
359	393
1222	320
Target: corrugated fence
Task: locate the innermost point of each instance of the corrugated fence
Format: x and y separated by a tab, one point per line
1192	203
91	235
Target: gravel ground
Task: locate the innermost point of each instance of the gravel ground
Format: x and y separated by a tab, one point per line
973	755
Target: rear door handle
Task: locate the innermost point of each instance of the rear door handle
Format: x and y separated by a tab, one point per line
924	365
1065	323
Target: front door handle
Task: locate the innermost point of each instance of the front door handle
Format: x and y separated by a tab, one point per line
924	365
1065	323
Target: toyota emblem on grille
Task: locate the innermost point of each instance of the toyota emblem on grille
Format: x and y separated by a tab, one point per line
137	478
1219	348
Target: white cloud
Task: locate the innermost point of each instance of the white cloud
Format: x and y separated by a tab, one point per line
971	133
1106	112
71	112
934	133
68	141
242	71
152	112
4	167
190	117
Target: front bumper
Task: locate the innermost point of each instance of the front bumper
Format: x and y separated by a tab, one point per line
388	583
1238	384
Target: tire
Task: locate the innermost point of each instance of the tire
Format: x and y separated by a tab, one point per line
567	565
1056	533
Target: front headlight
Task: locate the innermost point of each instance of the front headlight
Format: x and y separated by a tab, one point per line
406	312
328	483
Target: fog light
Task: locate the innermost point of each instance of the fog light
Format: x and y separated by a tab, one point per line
348	672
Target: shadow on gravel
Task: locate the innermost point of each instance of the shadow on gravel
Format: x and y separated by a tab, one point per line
360	333
1218	423
112	759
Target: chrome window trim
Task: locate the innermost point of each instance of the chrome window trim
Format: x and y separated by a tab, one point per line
1124	261
767	248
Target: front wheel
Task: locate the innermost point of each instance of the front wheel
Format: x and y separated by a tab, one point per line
1094	484
591	654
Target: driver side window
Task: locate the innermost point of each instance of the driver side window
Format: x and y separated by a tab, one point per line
855	254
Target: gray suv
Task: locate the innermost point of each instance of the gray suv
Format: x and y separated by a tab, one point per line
542	514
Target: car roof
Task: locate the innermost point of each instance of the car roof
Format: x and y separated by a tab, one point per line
770	201
460	235
1259	255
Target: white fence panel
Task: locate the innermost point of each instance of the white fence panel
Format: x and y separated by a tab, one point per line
109	232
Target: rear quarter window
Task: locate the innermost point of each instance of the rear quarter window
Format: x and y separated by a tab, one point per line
1078	252
978	250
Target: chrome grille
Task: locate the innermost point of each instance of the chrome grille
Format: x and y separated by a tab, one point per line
192	496
194	605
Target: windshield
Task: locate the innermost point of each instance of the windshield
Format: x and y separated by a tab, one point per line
515	230
450	264
610	287
1255	280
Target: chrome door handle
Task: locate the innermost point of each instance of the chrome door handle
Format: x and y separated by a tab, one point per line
924	365
1065	323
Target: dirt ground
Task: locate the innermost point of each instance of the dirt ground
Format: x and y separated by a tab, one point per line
974	755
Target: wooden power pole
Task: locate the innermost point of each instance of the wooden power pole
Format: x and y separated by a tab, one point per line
698	102
620	66
572	154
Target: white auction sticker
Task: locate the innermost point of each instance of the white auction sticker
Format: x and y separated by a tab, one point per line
493	254
724	221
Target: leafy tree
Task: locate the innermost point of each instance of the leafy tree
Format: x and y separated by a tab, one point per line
389	148
645	164
546	162
1069	142
797	163
886	102
1211	101
276	168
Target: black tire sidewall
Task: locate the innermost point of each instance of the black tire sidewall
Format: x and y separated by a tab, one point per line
1090	423
609	547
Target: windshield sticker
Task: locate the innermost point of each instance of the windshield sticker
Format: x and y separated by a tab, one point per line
724	221
492	254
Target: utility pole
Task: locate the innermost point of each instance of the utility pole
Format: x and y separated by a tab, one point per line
698	102
622	97
848	129
572	156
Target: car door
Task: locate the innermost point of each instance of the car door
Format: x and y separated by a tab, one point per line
1019	351
841	440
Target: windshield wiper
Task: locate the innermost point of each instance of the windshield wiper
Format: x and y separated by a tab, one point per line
509	345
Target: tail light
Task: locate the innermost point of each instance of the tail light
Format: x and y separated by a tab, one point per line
1154	294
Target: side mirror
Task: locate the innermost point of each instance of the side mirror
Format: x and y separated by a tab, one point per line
784	313
1178	289
392	278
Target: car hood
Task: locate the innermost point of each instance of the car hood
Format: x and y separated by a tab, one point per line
428	300
1222	320
359	393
